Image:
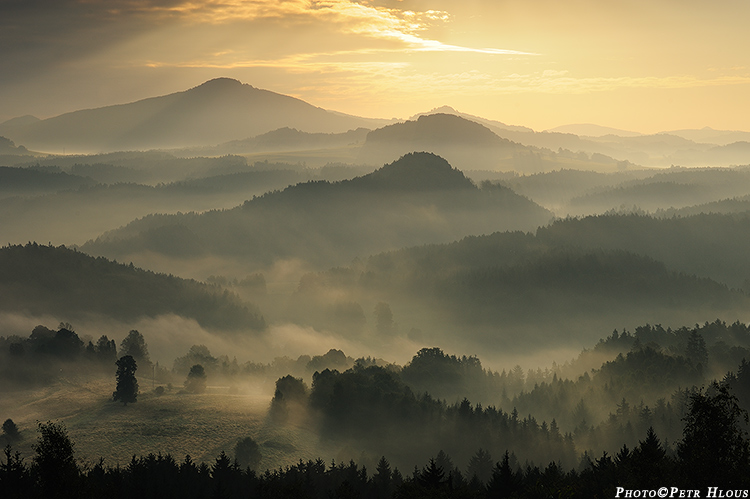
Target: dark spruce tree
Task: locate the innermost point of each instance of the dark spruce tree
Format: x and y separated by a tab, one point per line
127	385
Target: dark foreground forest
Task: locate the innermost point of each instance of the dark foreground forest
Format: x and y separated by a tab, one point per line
695	441
713	458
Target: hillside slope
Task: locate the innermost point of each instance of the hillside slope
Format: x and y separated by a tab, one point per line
47	280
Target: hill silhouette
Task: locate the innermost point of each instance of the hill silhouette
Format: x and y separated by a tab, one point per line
493	125
284	139
464	143
217	111
17	122
11	154
471	145
17	181
415	172
8	147
416	200
48	280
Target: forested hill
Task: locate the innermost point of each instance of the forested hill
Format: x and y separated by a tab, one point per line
707	245
415	172
416	200
710	246
47	280
18	181
564	282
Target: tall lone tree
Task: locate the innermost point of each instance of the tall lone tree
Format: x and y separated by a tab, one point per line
127	385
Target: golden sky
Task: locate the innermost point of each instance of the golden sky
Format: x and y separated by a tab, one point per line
639	65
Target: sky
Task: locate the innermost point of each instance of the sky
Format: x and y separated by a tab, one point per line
645	66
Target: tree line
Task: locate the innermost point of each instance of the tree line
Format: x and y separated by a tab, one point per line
714	451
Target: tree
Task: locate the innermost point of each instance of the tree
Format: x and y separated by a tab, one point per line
54	465
650	465
10	430
66	344
382	479
135	345
696	349
504	482
247	453
480	465
196	379
714	448
384	319
105	350
127	384
198	354
15	479
290	394
432	476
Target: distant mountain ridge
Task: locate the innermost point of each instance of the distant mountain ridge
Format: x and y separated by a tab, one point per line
592	130
227	116
217	111
282	139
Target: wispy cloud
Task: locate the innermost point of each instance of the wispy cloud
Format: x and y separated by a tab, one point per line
343	16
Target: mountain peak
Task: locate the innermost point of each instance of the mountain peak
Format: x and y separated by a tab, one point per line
418	171
438	128
220	83
437	110
217	111
219	86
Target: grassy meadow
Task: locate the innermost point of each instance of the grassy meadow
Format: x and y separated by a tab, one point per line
178	423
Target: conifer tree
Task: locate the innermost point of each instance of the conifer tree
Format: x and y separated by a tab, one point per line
127	384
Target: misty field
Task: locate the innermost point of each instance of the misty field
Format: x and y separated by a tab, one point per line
199	425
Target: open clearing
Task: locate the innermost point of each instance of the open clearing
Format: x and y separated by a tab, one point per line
176	423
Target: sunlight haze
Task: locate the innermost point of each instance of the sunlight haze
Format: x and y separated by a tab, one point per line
632	65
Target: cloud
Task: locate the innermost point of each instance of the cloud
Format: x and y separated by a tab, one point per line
67	29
